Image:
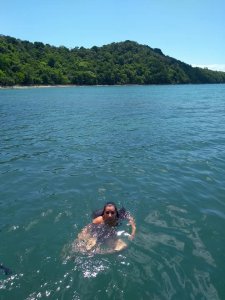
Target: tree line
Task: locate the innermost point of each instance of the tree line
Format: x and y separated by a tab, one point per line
26	63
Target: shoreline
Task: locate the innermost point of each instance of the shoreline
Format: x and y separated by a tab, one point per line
68	85
34	86
20	87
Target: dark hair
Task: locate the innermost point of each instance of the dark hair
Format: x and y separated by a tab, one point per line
110	204
121	213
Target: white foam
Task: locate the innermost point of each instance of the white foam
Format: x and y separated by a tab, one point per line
122	233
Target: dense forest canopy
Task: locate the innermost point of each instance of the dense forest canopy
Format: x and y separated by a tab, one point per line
26	63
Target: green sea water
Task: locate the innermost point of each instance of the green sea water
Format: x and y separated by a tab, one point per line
159	151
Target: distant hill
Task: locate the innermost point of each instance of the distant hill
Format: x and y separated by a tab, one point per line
26	63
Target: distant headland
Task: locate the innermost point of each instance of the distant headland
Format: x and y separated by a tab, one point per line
23	63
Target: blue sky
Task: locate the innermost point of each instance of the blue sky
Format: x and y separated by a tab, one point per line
192	31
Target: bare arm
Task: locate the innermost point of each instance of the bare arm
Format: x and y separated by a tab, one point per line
85	233
133	226
98	220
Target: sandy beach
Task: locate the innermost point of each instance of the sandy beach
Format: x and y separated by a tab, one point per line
35	86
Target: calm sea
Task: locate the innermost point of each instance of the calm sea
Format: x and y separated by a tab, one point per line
157	150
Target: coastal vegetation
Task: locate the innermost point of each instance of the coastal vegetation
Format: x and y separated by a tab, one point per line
26	63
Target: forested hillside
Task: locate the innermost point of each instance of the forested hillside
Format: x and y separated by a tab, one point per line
26	63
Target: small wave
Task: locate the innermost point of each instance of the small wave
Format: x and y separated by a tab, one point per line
213	212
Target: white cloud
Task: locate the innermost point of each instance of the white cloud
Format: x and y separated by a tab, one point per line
214	67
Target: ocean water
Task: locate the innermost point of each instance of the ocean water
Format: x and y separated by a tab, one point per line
159	151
